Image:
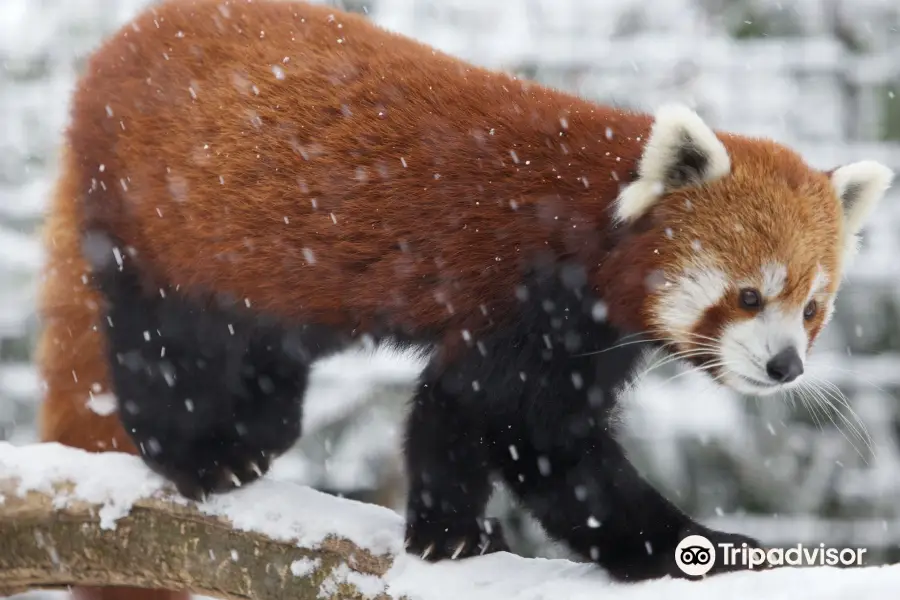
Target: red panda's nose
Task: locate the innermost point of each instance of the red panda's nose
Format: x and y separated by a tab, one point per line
785	366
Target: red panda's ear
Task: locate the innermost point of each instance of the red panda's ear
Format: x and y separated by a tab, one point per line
681	150
860	186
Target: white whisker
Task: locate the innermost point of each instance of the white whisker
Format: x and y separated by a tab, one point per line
702	368
674	357
826	400
810	404
615	347
851	372
835	394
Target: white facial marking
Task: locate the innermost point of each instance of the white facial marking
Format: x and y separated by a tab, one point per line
678	136
773	278
820	282
829	311
747	346
685	300
819	287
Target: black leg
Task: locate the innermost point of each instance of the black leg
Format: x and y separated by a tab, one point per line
554	380
205	428
584	491
209	394
449	485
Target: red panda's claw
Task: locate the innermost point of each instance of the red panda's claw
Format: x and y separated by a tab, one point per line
427	552
197	481
455	540
233	478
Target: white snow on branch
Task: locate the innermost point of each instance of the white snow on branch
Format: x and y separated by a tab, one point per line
304	516
116	481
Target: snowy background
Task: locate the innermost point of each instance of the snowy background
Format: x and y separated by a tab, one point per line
822	75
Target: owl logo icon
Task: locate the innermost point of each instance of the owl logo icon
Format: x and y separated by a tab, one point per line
695	555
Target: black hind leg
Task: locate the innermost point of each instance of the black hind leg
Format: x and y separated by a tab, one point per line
209	394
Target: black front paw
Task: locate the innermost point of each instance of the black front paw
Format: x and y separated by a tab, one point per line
435	540
208	466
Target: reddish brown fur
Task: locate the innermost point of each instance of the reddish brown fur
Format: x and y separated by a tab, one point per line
392	163
772	207
400	232
331	139
70	350
419	183
71	358
160	121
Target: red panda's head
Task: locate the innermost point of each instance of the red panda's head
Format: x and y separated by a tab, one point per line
749	246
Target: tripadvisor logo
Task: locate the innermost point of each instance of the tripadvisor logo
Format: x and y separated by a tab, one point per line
695	556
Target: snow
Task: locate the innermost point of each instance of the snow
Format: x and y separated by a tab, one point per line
102	404
344	381
39	466
510	577
29	256
19	380
370	586
296	514
800	89
116	481
304	566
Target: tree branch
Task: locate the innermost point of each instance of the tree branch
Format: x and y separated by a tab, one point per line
69	517
52	539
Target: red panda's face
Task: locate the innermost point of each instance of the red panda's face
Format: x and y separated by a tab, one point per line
752	244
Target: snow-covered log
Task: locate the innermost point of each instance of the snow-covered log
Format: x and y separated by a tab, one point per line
70	517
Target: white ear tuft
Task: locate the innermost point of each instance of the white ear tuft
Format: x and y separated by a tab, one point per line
860	186
681	150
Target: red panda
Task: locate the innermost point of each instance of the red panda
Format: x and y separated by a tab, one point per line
250	186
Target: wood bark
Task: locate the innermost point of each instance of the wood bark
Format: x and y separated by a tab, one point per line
162	544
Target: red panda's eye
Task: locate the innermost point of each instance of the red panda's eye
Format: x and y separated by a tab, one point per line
810	311
750	299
